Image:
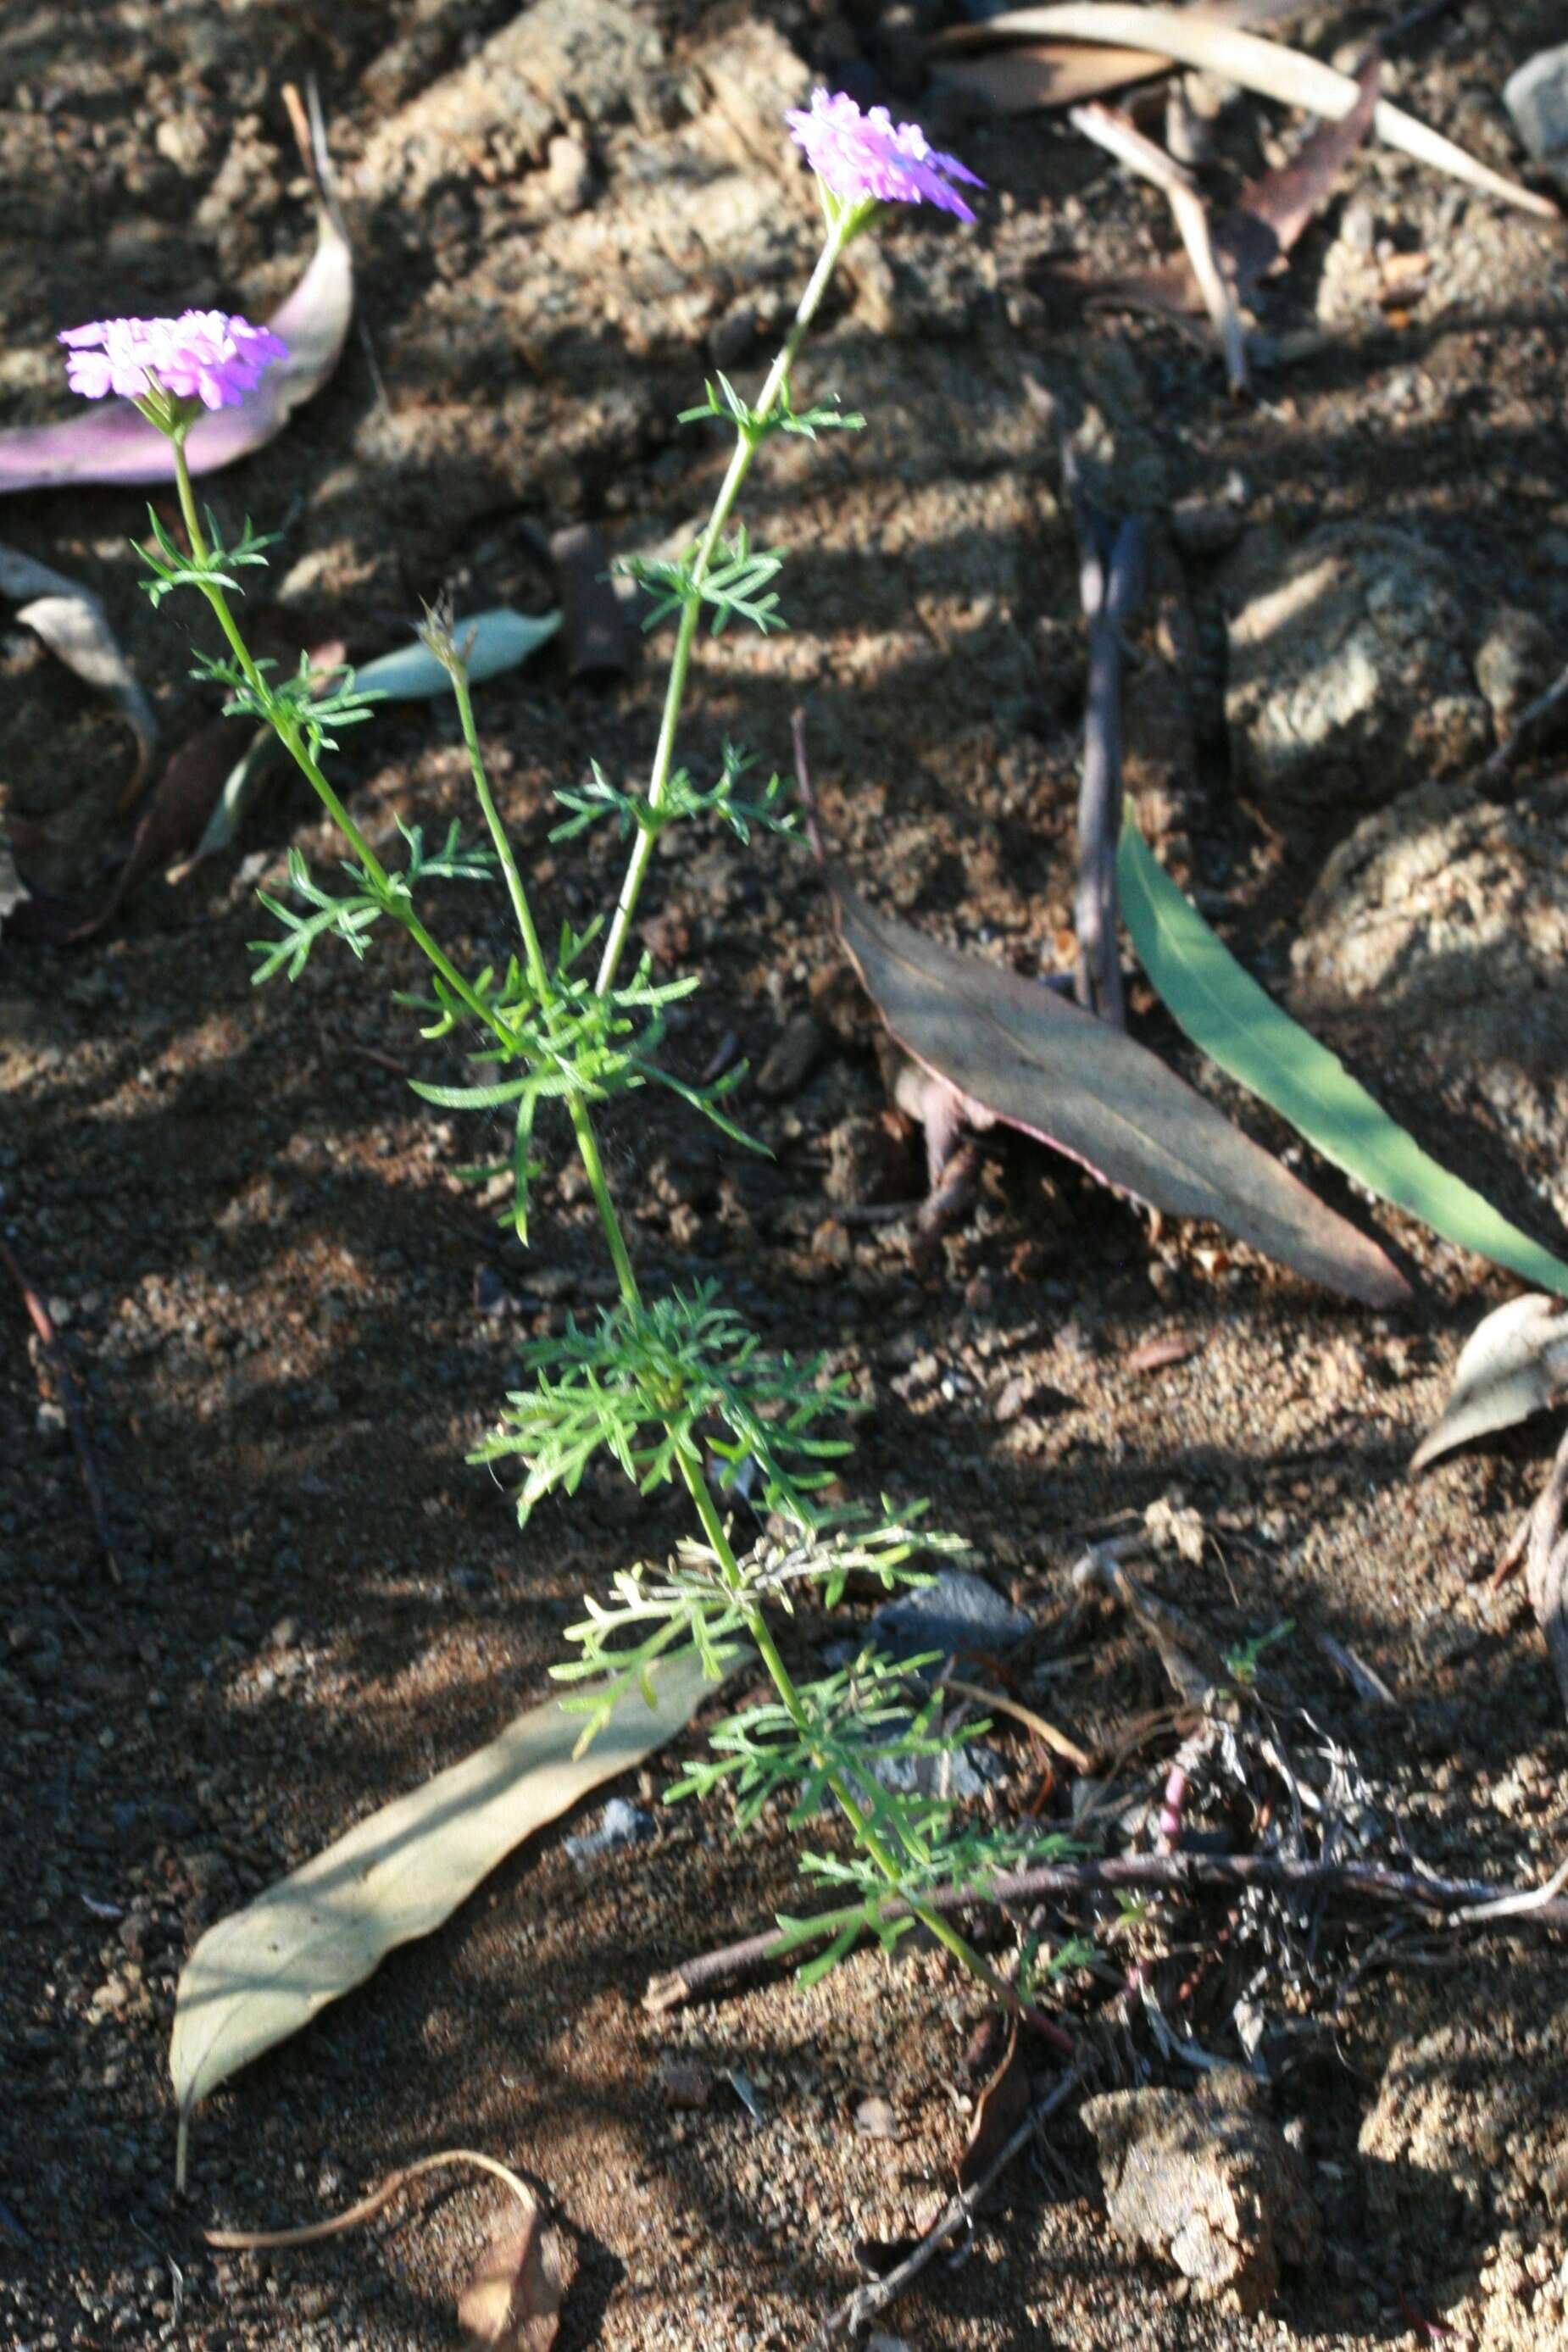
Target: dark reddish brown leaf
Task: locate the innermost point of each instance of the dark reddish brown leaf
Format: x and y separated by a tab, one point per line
998	2112
1039	1064
512	2302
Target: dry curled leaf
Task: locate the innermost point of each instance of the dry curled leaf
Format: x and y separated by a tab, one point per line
72	623
512	2300
1514	1363
111	441
998	2112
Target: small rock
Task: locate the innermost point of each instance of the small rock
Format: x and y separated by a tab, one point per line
1205	2180
1537	98
957	1612
875	2117
1515	663
791	1059
685	2082
621	1823
569	173
1349	676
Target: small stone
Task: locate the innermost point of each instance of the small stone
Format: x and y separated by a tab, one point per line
621	1823
791	1059
1537	98
1205	2180
569	173
1515	663
958	1612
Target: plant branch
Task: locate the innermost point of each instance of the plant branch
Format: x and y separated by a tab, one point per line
1164	1875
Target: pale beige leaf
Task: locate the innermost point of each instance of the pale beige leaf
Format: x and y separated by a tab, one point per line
1514	1363
258	1977
1270	69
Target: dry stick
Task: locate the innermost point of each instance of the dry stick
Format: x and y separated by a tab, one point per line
1110	581
1530	725
1056	1739
1135	1873
867	2302
1120	138
312	2232
43	1324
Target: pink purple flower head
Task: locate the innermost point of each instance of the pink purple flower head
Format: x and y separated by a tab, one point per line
204	355
858	156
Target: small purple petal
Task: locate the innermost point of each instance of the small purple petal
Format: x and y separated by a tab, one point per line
858	155
205	355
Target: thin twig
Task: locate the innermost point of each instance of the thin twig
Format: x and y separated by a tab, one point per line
43	1324
1056	1739
868	2302
1523	736
1164	1875
1110	581
367	2207
1120	137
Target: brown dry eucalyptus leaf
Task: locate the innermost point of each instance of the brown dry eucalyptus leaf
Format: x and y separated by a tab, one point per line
111	441
512	2300
1066	73
1037	1063
260	1975
1514	1363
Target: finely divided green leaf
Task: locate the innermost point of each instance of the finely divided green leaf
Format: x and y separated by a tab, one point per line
1223	1009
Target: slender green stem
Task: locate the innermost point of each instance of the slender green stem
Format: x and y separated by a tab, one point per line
839	233
538	971
783	1683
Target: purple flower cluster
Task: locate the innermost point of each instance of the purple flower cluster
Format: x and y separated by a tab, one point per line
204	355
860	155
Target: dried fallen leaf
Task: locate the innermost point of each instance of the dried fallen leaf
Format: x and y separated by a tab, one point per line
999	2110
260	1975
74	625
512	2301
1194	36
112	441
1037	1063
1514	1363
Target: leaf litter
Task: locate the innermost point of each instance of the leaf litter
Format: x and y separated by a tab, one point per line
1514	1363
512	2300
262	1973
113	442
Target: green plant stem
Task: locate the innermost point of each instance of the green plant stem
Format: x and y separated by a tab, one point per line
289	735
581	1121
746	443
783	1683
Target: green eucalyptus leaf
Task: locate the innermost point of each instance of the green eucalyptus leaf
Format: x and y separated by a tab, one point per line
1223	1009
494	642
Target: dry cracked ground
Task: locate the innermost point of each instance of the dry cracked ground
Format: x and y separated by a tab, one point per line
291	1320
